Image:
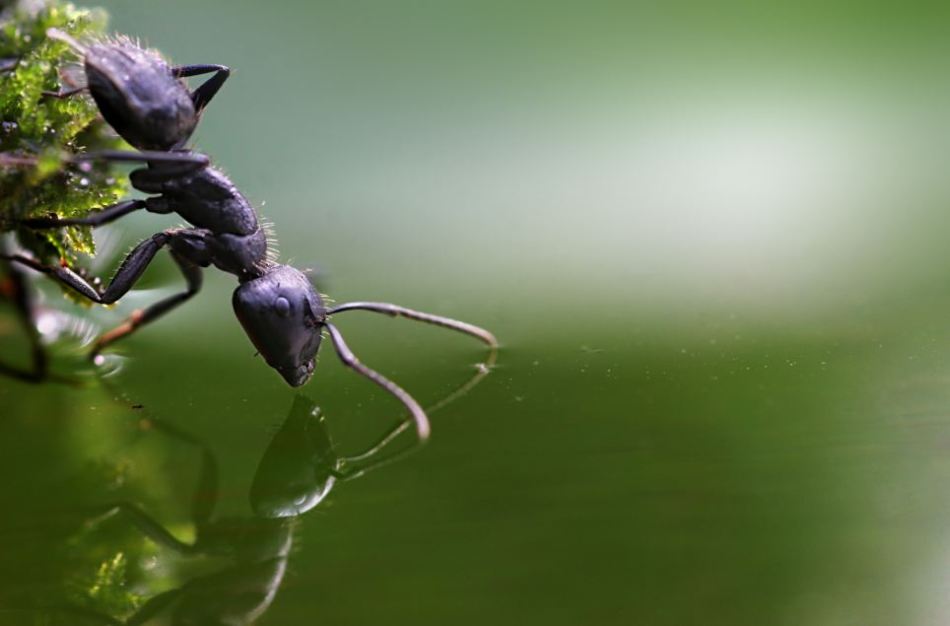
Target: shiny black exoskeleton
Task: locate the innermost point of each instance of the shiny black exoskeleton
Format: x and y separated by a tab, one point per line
139	94
146	102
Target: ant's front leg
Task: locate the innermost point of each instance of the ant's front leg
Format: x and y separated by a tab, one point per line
207	90
127	275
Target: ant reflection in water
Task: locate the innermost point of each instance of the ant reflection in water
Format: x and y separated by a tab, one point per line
298	469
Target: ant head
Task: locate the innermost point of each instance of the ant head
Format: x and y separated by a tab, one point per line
298	468
283	315
138	95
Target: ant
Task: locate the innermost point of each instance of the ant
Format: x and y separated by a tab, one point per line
145	100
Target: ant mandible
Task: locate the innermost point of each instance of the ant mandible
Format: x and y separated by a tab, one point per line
148	104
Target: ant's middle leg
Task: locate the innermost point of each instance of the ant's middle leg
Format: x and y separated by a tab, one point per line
98	218
207	90
125	277
62	94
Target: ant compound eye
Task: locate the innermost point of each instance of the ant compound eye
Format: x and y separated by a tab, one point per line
282	306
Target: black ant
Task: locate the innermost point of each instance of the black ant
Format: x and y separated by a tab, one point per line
147	103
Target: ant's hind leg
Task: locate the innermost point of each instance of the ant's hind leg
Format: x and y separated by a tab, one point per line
193	278
203	94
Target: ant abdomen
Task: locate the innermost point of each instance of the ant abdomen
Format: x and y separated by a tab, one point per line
139	95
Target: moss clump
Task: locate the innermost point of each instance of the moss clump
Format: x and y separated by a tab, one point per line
38	133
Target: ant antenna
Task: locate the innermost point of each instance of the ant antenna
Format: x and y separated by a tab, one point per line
418	415
349	359
481	371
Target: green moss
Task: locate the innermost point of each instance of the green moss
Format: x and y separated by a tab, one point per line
38	132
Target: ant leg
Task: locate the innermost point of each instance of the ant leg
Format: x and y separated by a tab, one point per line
207	90
349	359
63	94
186	71
98	218
22	299
125	277
185	157
193	160
141	317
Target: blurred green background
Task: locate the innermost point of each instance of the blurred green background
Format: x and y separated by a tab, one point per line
711	237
